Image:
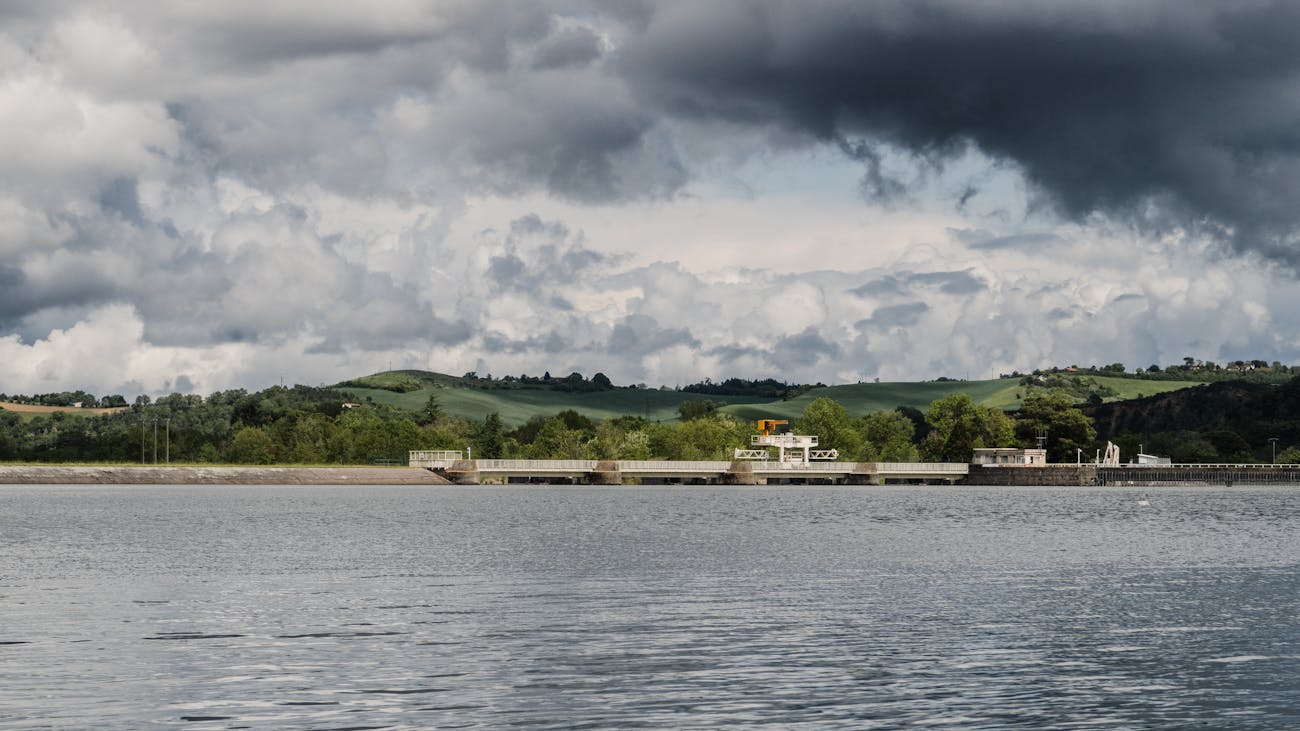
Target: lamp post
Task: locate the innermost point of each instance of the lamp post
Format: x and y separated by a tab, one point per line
1273	441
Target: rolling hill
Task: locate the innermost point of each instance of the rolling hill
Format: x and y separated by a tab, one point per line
458	396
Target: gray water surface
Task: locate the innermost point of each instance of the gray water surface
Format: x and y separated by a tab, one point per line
676	607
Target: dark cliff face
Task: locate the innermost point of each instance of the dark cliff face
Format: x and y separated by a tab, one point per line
1254	411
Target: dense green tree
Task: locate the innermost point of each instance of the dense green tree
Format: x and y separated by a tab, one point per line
431	411
829	421
251	445
1183	447
308	439
710	438
1053	413
636	445
1291	455
888	437
920	427
696	409
489	439
576	421
1228	446
555	440
961	427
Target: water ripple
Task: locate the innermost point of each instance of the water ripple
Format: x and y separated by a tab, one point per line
566	608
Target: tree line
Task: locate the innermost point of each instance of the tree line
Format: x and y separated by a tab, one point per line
316	425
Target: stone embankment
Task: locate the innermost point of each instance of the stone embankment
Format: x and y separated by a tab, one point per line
158	475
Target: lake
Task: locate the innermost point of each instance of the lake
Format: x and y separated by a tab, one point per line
649	607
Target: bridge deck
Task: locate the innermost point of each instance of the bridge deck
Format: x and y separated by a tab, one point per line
676	469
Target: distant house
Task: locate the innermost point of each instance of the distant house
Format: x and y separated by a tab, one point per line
1010	457
76	404
351	405
1151	459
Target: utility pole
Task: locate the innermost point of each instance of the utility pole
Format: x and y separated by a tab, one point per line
155	441
168	424
1273	440
142	422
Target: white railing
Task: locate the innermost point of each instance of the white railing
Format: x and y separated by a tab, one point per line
536	465
923	467
778	466
446	458
789	441
436	455
433	457
674	466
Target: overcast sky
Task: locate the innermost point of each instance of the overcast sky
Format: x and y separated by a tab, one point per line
204	195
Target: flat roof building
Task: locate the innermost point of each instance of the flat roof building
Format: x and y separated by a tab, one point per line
1010	457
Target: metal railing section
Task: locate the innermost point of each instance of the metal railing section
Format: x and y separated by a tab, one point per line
651	465
922	467
536	465
446	458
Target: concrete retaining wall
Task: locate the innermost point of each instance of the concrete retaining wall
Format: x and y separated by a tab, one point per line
1066	475
155	475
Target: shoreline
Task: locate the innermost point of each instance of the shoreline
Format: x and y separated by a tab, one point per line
216	475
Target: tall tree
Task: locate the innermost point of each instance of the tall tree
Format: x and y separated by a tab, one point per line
696	409
888	436
961	427
1053	413
489	440
431	411
828	420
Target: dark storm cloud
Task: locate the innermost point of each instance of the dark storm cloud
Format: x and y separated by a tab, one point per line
954	283
802	349
571	47
22	295
396	331
120	196
732	353
896	315
538	255
1165	113
983	240
957	283
551	343
641	334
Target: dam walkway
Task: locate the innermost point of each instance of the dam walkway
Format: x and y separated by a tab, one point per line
739	472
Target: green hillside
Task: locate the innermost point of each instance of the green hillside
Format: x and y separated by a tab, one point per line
517	403
863	398
1001	393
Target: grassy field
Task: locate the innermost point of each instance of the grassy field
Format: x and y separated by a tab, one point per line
517	405
1002	393
28	411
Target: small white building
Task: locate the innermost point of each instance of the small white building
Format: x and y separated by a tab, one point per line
1010	457
1151	459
